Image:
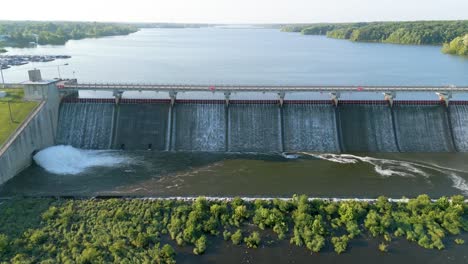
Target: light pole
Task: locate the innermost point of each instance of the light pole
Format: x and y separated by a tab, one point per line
58	69
3	80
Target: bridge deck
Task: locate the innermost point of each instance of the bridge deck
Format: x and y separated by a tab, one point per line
254	88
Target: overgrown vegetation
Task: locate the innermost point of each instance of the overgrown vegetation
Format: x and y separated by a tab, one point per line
418	32
21	33
137	231
19	111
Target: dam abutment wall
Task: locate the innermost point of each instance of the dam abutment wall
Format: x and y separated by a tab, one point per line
36	132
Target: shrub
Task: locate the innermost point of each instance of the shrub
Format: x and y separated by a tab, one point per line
226	235
340	243
3	243
38	237
166	255
200	246
383	247
89	255
253	240
237	237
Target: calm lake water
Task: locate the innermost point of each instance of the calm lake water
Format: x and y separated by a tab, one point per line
245	56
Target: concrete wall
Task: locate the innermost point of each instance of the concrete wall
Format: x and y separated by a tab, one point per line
35	133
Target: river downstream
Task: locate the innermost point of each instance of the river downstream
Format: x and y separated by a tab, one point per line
162	174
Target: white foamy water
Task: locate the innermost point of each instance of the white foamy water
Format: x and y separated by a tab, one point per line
387	168
384	167
70	160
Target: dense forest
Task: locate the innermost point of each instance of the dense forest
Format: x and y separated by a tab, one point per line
171	25
418	32
152	231
57	33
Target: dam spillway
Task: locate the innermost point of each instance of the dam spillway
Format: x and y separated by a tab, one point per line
264	126
254	127
367	127
199	127
310	126
86	125
423	127
140	126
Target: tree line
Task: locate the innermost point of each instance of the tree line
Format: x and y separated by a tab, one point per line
149	231
58	33
417	33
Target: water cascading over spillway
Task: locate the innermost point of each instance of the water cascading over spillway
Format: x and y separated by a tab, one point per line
254	127
367	128
310	127
85	125
263	126
141	126
199	127
422	128
459	119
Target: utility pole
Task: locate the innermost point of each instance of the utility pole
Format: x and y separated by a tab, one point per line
11	115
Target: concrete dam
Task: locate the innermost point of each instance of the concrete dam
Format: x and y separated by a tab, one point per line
264	125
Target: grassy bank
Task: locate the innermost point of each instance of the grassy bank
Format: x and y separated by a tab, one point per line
19	111
137	231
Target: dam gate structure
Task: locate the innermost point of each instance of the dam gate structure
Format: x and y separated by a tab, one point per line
277	119
273	123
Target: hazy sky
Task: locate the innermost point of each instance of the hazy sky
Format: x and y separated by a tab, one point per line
233	11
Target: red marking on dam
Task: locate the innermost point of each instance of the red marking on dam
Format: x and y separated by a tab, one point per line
360	102
318	102
200	101
89	100
415	102
459	102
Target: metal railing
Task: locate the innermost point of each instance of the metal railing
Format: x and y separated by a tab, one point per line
255	88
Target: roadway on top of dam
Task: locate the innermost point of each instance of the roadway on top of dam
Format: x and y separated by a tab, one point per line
252	88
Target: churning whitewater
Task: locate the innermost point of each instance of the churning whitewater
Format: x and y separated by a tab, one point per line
387	167
69	160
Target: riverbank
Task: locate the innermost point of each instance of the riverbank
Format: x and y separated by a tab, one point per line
135	230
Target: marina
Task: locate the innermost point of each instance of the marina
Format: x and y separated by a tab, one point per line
8	61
